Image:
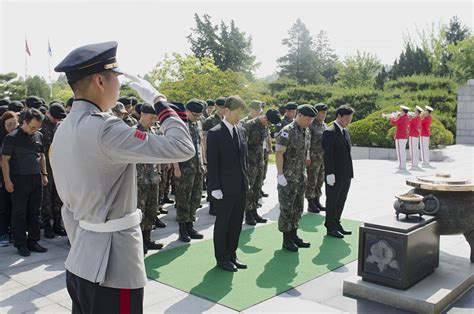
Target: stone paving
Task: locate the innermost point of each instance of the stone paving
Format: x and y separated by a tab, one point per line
37	283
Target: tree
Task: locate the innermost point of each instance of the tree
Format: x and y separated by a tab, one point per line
381	78
359	70
11	86
230	48
462	61
412	61
326	57
456	32
37	86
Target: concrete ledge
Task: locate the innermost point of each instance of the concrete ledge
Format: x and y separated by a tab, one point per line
453	277
358	152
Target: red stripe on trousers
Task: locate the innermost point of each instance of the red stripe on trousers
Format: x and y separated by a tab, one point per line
124	301
411	149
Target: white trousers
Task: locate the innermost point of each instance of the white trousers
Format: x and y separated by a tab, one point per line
400	145
425	150
414	150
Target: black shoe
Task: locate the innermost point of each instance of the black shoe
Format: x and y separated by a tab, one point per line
298	241
312	208
183	233
335	234
258	218
318	204
289	243
59	230
159	223
48	230
263	194
148	244
23	251
239	264
162	211
193	234
200	206
145	249
227	266
344	232
166	200
249	218
35	247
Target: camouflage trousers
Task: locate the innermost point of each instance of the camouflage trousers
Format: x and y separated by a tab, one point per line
51	203
291	198
255	184
165	181
188	196
265	165
147	201
315	173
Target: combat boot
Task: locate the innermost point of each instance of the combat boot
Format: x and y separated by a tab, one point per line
258	218
148	243
312	208
298	241
249	218
289	242
318	204
159	223
48	230
183	233
58	228
193	234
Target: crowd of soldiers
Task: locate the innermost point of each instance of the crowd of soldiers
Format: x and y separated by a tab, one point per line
298	151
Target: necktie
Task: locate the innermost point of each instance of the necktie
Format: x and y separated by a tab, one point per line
344	133
235	137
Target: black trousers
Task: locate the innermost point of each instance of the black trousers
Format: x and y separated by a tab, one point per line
26	202
229	217
90	298
336	196
5	210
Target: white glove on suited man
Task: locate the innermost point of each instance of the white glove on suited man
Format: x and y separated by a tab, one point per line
331	179
282	180
217	194
144	88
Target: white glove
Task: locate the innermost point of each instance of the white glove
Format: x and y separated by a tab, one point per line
144	88
217	194
331	179
282	180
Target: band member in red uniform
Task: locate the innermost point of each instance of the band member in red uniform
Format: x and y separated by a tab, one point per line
425	133
401	136
414	137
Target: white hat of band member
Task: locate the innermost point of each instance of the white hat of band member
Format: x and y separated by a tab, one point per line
404	107
428	108
419	108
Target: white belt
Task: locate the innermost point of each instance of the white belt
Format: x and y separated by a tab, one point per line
126	222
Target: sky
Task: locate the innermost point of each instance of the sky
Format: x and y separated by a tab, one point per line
146	30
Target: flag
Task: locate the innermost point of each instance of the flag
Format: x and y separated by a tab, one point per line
50	52
27	48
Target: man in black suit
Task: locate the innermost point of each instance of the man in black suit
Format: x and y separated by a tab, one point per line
228	182
338	168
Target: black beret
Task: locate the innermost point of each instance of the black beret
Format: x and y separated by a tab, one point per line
210	102
220	101
133	100
43	109
4	102
138	108
69	102
33	102
89	59
3	109
273	116
147	108
321	107
195	105
126	101
256	104
57	111
307	110
291	106
15	106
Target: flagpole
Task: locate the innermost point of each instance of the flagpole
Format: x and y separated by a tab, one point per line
26	68
49	71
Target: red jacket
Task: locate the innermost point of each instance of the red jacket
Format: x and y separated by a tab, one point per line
402	127
425	125
415	126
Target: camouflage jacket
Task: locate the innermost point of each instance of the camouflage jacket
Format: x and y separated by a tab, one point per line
316	130
257	135
284	122
294	142
210	122
48	129
146	173
195	164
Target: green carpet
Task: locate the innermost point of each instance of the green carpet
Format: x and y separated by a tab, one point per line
271	271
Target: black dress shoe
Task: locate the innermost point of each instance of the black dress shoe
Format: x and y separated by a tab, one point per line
263	194
227	266
336	234
35	247
344	232
159	223
163	211
239	264
166	200
23	251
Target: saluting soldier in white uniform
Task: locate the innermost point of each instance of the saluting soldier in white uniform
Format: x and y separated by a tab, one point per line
93	157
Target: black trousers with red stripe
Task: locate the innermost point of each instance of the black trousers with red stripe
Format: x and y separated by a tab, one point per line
90	298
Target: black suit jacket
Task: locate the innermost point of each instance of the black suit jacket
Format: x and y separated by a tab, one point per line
226	164
337	153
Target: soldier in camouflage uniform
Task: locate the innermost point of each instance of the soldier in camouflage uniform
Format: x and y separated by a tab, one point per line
51	203
257	134
189	175
147	182
292	146
128	103
208	124
315	170
290	113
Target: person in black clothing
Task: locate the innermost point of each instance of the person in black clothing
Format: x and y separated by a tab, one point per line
24	172
228	182
338	169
